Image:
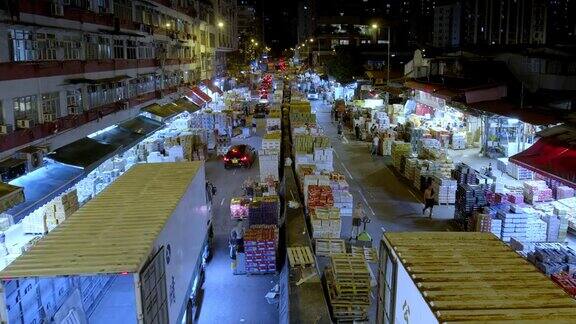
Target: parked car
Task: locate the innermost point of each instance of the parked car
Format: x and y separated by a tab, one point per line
239	156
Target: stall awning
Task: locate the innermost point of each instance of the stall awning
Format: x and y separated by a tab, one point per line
187	105
42	185
127	134
201	94
164	111
507	109
86	153
550	157
211	86
142	125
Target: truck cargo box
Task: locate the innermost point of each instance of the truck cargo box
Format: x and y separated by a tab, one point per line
463	277
130	255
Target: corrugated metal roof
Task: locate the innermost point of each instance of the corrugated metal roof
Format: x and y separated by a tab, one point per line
114	232
474	276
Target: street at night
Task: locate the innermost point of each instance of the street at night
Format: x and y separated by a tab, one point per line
309	161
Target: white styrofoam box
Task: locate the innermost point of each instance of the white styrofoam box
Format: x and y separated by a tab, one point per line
177	152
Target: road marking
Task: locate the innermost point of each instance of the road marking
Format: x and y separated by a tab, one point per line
346	169
222	202
345	140
336	153
234	173
366	202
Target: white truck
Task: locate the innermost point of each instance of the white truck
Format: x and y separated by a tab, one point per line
463	277
133	254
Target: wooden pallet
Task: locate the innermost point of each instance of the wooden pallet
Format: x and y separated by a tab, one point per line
344	310
329	246
369	253
348	266
300	256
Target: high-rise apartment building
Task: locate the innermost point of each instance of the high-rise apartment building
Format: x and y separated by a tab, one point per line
70	67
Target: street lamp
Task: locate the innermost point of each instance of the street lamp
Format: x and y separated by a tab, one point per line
220	24
252	40
311	40
374	26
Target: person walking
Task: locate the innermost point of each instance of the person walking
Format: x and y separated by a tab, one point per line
340	130
357	215
375	142
357	131
236	244
428	199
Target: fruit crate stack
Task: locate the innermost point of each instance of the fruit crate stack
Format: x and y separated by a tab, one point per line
239	208
271	140
326	222
458	141
464	174
399	150
445	190
443	168
260	244
536	191
556	226
313	180
570	204
323	159
272	123
519	173
486	223
320	196
387	146
514	224
566	281
563	192
422	173
409	168
264	211
468	199
268	164
343	200
552	258
348	283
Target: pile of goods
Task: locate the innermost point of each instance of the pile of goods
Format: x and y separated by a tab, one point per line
304	143
271	140
320	196
239	208
468	199
54	212
260	249
563	192
552	258
400	150
458	141
268	164
325	222
264	211
445	190
348	283
519	173
343	200
536	191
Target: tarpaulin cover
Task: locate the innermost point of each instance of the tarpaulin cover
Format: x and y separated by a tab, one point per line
550	157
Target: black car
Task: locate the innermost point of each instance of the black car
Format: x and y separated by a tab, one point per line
239	156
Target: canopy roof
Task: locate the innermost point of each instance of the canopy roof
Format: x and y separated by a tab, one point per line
551	156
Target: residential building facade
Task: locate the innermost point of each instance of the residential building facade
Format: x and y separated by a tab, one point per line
71	67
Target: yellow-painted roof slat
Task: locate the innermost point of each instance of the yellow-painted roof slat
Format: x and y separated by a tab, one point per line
115	231
474	277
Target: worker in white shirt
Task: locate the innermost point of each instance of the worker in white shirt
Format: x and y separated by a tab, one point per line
357	217
375	142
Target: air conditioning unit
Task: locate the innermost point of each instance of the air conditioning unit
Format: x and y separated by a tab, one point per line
23	123
57	9
5	129
48	118
73	110
34	156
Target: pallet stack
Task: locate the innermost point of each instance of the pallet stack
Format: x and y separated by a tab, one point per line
536	191
552	258
519	173
268	161
329	246
468	199
563	192
323	159
348	283
271	140
260	248
326	222
514	224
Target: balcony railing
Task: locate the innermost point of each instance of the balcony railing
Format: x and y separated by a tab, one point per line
22	137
